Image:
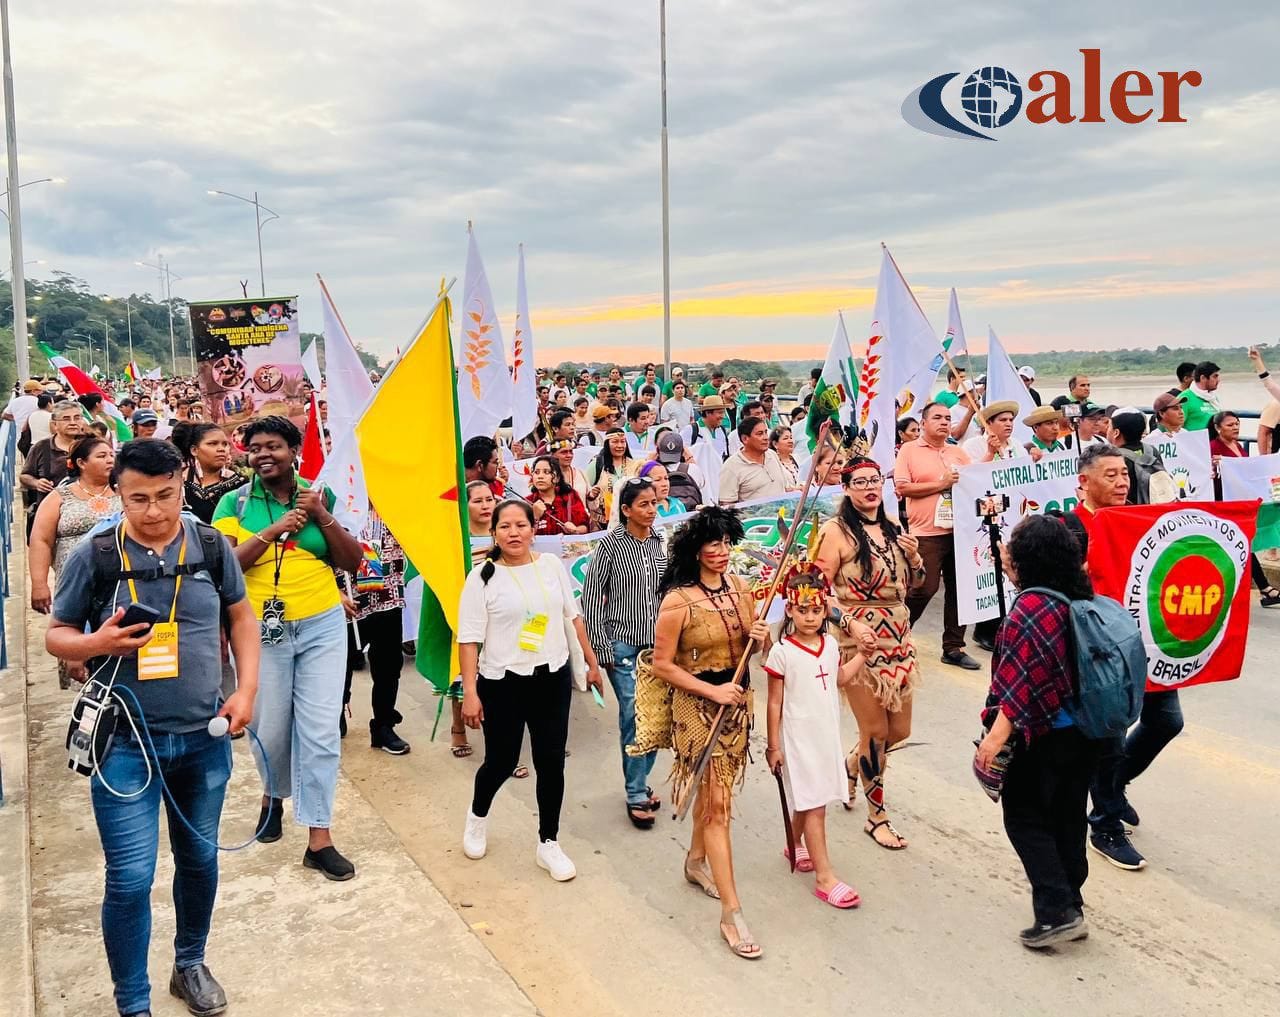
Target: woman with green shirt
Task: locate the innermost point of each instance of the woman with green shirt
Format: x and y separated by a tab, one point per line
288	543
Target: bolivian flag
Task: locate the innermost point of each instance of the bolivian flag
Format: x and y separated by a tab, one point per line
412	455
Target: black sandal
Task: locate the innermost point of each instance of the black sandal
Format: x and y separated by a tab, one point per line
655	803
1270	597
644	822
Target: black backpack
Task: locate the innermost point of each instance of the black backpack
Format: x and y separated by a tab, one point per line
683	487
107	570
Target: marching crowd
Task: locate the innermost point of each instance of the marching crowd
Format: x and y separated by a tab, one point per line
271	605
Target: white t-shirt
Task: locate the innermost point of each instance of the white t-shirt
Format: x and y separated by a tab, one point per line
976	449
680	411
494	614
38	422
20	408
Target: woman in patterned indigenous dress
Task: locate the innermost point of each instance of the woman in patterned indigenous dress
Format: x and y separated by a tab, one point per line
705	620
871	563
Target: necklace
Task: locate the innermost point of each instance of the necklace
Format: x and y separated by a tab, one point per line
98	501
730	618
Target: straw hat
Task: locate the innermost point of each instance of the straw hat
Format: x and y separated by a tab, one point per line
1042	415
989	413
712	402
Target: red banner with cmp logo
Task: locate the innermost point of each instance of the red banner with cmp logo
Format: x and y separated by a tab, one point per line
1182	571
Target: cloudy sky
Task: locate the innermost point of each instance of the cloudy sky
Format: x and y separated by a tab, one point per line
377	130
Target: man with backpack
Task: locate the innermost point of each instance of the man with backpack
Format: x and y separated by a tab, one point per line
168	676
686	486
1104	481
1149	482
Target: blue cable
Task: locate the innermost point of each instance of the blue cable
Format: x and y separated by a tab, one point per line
266	763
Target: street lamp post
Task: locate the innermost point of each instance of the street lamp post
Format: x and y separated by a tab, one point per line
167	277
666	200
258	209
106	340
15	205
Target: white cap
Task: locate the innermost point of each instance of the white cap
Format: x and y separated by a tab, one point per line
1028	372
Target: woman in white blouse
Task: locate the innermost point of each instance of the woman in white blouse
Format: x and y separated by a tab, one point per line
514	620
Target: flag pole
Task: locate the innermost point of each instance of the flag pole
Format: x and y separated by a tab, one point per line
666	201
444	292
336	313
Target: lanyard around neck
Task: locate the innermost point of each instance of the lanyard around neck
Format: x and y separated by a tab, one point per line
546	597
177	582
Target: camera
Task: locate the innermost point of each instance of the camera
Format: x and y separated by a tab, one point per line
1071	411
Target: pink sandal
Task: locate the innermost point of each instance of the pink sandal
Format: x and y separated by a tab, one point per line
842	896
803	862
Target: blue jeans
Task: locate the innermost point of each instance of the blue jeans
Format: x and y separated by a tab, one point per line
300	684
1124	759
196	768
622	676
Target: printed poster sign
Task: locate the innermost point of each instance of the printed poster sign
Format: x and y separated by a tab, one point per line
1186	457
1256	477
249	359
1029	487
1182	571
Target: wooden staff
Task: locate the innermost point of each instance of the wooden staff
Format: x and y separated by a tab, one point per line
682	806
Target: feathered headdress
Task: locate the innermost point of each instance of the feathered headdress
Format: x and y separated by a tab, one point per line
806	584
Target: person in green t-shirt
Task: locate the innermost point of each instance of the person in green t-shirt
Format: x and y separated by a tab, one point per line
950	395
1200	401
285	537
1046	424
711	387
677	374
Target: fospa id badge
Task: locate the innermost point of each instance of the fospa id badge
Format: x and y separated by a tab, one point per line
159	658
533	633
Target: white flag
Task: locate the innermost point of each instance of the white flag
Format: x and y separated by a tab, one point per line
153	375
311	363
1004	383
524	383
837	386
901	342
484	384
349	393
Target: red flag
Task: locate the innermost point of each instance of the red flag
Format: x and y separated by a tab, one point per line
1182	571
312	443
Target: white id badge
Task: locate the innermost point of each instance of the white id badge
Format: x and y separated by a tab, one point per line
944	514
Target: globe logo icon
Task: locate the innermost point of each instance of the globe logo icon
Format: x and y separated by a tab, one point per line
991	97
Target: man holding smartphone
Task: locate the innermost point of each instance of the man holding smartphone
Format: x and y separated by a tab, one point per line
185	574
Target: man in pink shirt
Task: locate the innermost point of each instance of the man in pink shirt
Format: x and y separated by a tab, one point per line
925	472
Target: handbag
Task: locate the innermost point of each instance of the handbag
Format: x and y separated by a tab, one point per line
653	709
991	778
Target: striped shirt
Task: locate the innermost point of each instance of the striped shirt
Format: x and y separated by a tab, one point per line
620	591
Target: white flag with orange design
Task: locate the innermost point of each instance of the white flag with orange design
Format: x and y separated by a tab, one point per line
484	384
524	382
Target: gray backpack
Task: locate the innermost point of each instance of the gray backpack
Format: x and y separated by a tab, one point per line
1110	662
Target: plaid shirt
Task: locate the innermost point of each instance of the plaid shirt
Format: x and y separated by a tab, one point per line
1031	679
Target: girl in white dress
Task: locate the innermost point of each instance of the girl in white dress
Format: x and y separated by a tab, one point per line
806	682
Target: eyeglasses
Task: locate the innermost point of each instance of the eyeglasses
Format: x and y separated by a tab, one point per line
142	502
862	483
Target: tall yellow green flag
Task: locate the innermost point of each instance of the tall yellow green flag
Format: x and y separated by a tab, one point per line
412	454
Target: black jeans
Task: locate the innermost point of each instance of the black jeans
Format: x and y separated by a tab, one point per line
939	556
540	702
381	634
1124	759
1045	795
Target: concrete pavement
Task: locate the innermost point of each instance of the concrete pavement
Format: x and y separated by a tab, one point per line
1196	933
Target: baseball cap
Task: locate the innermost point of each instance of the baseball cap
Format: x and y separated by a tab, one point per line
602	411
1163	401
1028	372
670	448
1092	410
32	387
145	417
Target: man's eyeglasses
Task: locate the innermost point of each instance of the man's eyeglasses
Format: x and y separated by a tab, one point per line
862	483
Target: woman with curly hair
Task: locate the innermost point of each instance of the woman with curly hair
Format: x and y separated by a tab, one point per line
706	622
871	563
288	543
206	450
1033	682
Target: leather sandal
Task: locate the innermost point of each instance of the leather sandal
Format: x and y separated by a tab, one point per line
700	876
746	947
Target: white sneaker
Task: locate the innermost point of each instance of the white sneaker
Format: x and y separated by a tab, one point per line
555	861
475	836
